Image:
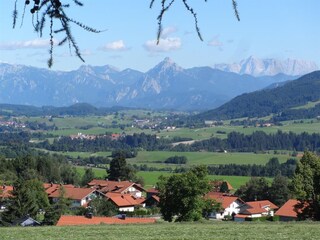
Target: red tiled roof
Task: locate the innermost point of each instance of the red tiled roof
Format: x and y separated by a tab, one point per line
289	209
124	200
262	204
113	186
51	187
73	193
81	220
216	185
5	191
225	200
155	198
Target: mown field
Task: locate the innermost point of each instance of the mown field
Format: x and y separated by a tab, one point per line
168	231
156	158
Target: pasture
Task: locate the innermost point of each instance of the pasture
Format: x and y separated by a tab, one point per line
167	231
156	158
151	178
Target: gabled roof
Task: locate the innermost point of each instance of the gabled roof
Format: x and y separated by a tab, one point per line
113	186
225	200
81	220
124	200
258	207
6	191
51	187
262	204
153	190
26	221
73	193
289	209
216	185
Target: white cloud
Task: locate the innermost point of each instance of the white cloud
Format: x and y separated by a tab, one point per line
164	45
166	32
30	44
215	43
115	46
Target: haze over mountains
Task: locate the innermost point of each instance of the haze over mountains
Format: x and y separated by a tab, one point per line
166	86
269	67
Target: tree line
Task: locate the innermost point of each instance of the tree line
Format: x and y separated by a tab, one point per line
235	141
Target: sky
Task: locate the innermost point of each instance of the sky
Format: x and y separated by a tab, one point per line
268	29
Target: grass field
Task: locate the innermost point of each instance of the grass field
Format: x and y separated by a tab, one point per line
170	231
309	126
151	178
209	158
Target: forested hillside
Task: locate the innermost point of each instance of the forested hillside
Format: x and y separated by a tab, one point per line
279	101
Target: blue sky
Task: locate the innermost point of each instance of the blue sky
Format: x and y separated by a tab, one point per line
268	29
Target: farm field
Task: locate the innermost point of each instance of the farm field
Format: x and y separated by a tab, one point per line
155	158
151	178
97	125
174	231
217	131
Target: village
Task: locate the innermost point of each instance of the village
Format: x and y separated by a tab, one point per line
128	197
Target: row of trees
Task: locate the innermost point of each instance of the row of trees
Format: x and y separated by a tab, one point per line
271	169
235	141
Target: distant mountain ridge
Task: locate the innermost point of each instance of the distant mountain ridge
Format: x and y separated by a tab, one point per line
165	86
281	100
269	67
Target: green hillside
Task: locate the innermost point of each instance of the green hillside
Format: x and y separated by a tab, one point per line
282	100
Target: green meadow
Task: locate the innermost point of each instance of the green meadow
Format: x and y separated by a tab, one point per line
151	178
155	158
170	231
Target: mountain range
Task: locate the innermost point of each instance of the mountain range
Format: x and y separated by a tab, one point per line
165	86
269	67
295	99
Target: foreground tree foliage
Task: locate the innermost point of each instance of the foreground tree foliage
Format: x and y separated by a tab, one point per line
54	12
28	198
181	195
260	189
103	207
58	208
306	186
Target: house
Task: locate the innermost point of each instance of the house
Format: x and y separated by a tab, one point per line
5	192
125	202
82	220
289	211
152	201
80	197
230	205
152	191
255	209
121	187
51	187
26	221
152	198
221	186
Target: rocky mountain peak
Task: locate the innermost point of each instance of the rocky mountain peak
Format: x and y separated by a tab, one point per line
269	67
